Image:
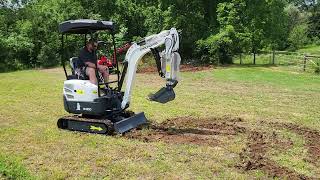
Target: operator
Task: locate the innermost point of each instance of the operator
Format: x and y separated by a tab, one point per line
89	57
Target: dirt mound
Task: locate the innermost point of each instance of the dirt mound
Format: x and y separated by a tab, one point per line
183	68
253	155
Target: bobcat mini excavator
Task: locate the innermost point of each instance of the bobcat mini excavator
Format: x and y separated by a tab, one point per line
104	110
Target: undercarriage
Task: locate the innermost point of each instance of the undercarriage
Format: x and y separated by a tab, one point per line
118	124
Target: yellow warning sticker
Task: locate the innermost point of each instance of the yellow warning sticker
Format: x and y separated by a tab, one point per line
168	68
80	91
95	128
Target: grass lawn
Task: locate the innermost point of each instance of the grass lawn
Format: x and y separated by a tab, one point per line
289	61
311	49
264	123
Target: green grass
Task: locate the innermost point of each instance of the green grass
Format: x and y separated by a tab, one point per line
312	49
294	157
31	103
261	59
288	61
11	168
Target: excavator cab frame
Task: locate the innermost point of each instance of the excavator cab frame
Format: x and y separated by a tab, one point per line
90	27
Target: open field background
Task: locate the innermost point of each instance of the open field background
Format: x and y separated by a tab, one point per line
236	122
306	59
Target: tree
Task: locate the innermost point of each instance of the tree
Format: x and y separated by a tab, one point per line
218	48
314	22
254	24
211	31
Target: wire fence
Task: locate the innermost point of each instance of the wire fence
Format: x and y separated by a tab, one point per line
291	60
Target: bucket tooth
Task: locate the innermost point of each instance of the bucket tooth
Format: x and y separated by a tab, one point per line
163	96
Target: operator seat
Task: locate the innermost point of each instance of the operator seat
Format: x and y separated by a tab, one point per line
78	69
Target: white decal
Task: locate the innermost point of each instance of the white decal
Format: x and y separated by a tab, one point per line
87	109
78	107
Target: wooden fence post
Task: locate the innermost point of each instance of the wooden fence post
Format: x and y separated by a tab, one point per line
304	62
273	57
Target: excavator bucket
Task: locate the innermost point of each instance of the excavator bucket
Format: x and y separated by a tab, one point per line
163	96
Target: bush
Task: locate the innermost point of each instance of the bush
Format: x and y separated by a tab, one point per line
298	37
217	48
316	41
48	56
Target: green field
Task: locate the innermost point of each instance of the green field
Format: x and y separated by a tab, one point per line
286	60
311	49
227	123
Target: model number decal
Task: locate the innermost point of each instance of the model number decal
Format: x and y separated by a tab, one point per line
87	109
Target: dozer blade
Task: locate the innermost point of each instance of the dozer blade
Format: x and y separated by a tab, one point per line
164	95
130	123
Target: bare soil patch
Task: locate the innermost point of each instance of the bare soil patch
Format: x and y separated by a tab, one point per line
312	139
204	131
189	130
253	157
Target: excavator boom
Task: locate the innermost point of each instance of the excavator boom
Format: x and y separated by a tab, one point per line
169	61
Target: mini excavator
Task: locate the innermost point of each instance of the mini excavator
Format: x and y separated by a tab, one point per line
103	108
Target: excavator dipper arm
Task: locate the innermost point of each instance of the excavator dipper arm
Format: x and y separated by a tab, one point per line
170	62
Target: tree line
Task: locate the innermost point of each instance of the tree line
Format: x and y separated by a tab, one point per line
211	31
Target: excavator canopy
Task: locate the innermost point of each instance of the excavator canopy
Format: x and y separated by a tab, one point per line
85	26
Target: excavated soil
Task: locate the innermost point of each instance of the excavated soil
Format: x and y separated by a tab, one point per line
189	130
204	131
311	136
253	157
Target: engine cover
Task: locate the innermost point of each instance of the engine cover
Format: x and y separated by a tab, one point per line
81	97
97	108
80	90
